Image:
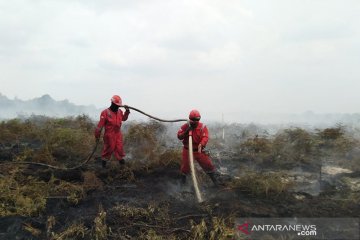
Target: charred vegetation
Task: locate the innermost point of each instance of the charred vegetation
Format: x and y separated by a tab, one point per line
287	173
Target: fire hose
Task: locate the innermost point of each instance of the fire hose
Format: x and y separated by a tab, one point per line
192	167
94	148
159	119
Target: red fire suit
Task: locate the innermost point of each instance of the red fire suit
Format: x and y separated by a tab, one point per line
200	135
113	142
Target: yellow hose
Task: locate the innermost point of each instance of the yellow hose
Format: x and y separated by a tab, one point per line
193	175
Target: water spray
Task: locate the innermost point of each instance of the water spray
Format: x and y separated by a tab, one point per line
193	174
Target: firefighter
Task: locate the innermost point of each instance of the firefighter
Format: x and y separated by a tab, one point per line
111	119
200	137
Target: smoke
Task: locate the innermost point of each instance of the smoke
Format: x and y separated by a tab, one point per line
44	105
312	160
47	106
229	146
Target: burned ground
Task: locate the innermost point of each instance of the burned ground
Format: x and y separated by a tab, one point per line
291	173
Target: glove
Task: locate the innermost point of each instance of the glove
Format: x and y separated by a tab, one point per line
126	108
189	126
199	148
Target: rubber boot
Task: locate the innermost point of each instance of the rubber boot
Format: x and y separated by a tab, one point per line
183	179
103	163
122	161
213	178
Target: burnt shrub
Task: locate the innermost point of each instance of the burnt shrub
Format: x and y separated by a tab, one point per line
267	184
47	140
145	141
257	149
335	140
295	146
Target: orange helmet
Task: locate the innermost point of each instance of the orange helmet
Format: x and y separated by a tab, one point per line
116	100
194	115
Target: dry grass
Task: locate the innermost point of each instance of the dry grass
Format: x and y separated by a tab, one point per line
133	214
212	230
27	195
143	140
263	184
74	193
146	143
33	230
19	195
74	231
101	230
46	140
296	147
66	141
91	181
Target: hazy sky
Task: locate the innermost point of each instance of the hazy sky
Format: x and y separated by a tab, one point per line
167	57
